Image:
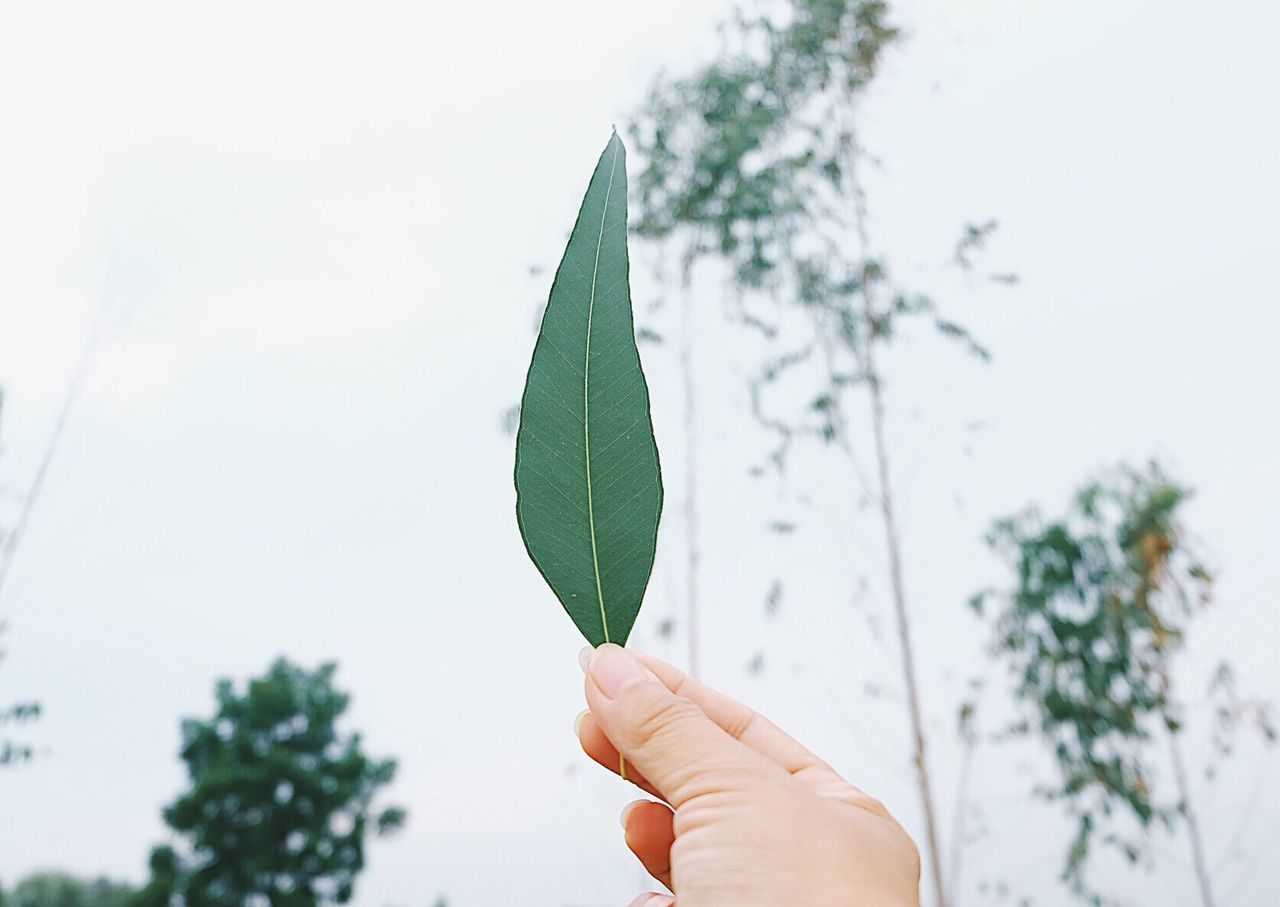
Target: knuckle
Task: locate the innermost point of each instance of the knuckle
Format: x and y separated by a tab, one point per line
657	717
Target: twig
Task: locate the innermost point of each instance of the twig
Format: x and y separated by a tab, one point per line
9	550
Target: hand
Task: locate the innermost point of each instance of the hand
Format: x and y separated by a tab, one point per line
749	817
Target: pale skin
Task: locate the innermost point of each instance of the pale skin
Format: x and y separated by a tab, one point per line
745	816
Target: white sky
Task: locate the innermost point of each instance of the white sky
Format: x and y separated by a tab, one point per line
308	230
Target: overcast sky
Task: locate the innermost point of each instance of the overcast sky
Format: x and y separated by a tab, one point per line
306	232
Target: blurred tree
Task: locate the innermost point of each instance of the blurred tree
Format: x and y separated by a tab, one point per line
756	160
163	880
57	889
280	801
1102	603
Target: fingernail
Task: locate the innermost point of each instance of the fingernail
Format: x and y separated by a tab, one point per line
659	900
584	657
652	900
626	811
577	722
613	669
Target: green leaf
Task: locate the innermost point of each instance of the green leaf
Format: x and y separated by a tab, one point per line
588	485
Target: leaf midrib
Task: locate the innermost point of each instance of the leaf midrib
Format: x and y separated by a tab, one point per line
586	398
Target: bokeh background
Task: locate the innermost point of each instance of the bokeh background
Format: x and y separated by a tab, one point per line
285	262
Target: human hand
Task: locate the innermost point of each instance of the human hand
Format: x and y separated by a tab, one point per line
750	818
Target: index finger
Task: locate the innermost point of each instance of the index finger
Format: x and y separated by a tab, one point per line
738	720
758	733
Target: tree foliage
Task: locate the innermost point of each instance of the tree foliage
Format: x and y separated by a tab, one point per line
1101	604
745	150
755	159
280	800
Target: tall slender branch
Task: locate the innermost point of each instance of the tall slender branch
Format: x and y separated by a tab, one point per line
889	520
9	549
1192	821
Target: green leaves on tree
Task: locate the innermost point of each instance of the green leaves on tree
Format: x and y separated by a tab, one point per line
1102	602
756	159
280	800
588	485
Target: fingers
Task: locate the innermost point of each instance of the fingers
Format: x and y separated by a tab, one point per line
746	725
680	752
596	745
653	899
738	720
650	833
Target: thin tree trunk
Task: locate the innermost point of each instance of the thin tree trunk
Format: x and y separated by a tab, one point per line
889	518
9	544
1192	822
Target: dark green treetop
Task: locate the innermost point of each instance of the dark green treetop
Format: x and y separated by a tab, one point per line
280	800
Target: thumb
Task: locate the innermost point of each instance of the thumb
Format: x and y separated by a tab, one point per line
673	743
